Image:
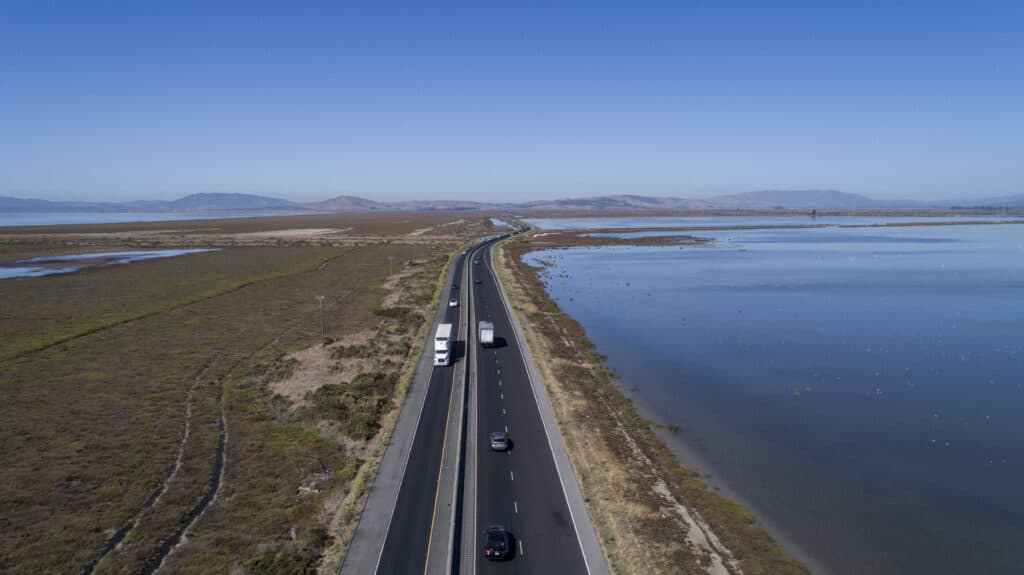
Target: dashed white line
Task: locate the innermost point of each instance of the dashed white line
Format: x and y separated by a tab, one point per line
512	474
521	547
516	507
506	429
503	411
503	396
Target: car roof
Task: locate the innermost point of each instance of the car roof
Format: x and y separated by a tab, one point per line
499	435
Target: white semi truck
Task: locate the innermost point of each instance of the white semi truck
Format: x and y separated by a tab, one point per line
487	334
443	344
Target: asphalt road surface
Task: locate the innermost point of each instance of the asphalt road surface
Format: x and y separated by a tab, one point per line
519	489
408	537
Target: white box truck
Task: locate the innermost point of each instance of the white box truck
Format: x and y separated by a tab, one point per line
486	334
443	344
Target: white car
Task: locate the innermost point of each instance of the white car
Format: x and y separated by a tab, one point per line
454	302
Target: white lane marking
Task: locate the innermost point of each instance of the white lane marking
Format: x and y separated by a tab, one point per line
503	396
503	411
512	474
506	429
516	506
499	383
521	547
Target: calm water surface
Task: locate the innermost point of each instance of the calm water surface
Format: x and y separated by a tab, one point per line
861	389
738	221
70	263
60	218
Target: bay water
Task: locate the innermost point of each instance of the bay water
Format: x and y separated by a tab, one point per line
861	389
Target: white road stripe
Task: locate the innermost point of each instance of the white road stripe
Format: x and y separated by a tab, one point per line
516	506
521	547
513	474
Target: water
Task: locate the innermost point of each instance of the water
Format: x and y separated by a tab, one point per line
60	218
745	221
32	267
860	389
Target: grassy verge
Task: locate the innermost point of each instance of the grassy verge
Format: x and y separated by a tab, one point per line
638	496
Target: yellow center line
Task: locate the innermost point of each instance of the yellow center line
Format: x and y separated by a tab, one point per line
444	443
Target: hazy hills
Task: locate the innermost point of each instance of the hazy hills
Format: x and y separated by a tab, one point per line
759	200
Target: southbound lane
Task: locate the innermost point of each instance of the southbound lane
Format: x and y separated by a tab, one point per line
408	538
519	489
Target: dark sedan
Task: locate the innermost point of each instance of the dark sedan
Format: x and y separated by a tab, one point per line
497	543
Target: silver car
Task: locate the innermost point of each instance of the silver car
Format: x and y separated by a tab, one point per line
500	441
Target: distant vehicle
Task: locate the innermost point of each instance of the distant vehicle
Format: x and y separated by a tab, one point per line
455	286
497	542
442	344
476	261
454	302
486	333
478	281
465	252
500	441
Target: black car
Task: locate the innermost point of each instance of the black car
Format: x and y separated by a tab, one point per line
476	261
497	543
478	281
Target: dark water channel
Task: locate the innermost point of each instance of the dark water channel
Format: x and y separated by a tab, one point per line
861	389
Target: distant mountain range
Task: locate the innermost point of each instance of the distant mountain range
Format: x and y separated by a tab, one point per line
761	200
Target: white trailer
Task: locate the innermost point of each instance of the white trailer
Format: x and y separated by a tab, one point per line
442	344
486	334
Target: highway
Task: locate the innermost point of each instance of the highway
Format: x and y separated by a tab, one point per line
410	528
439	484
519	489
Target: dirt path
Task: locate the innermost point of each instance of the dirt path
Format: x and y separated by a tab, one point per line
118	537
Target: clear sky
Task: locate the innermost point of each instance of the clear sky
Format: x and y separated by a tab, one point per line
510	100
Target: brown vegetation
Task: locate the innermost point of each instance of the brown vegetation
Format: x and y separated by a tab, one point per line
115	382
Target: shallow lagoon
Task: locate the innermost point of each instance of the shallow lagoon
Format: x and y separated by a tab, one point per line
861	389
43	265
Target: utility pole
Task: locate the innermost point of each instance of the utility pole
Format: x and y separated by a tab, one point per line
320	300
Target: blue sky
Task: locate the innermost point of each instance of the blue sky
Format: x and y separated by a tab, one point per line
510	100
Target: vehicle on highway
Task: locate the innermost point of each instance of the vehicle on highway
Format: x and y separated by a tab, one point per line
497	543
500	441
478	281
454	302
476	261
487	333
455	286
442	344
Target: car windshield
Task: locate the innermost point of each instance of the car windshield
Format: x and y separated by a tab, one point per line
496	539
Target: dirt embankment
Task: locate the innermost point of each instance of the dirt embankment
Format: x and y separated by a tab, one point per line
651	514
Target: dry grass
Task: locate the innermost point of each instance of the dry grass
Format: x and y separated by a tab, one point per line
99	369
